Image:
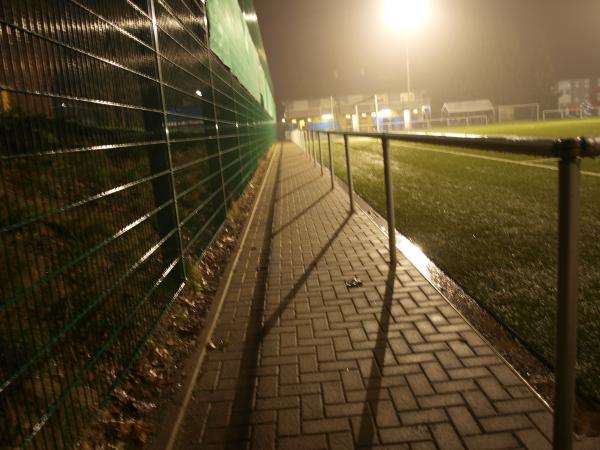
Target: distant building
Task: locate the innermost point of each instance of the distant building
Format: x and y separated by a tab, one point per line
575	93
481	108
359	112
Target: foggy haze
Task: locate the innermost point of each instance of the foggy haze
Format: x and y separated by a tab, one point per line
509	51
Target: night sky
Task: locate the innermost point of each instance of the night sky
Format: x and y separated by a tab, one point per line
510	51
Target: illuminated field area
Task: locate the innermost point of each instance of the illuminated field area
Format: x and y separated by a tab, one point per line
549	128
489	220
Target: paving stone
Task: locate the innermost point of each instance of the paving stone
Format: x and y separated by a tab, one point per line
352	380
491	441
505	423
403	398
463	420
419	384
333	392
424	416
340	441
313	442
312	406
344	409
385	413
446	437
325	425
533	439
288	422
404	434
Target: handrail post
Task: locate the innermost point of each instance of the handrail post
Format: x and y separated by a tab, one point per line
307	144
331	161
389	197
349	173
566	312
314	150
320	151
304	141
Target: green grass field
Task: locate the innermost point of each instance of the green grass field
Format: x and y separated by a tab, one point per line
489	220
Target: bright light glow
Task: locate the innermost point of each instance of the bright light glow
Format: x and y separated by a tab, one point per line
415	255
294	121
415	111
407	119
405	15
199	93
283	120
309	120
347	116
385	113
250	17
325	117
364	115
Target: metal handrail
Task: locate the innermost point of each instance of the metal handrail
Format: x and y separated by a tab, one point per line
582	146
569	151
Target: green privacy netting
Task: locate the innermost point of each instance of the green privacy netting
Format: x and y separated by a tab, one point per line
231	39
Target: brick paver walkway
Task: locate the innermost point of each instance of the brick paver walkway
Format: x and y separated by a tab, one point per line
312	364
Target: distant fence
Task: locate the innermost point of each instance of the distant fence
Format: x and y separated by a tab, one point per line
123	140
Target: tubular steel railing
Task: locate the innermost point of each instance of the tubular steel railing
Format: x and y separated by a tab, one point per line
123	141
569	152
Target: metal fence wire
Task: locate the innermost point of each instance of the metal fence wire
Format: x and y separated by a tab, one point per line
123	139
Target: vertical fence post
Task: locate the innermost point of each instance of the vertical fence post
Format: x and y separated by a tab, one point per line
389	198
314	147
320	151
164	188
566	312
330	161
349	173
304	141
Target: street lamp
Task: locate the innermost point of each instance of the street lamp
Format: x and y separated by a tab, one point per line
405	16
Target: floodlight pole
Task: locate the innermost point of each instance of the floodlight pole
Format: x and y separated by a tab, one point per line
376	113
407	67
332	115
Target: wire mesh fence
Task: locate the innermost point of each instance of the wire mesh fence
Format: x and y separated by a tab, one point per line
123	140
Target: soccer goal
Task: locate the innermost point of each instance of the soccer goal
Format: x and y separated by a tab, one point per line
553	114
519	112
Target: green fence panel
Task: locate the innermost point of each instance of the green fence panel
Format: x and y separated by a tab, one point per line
121	146
235	38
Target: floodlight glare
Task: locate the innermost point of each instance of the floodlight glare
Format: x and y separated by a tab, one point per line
327	117
405	15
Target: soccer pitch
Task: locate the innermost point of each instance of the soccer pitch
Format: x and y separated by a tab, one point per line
489	220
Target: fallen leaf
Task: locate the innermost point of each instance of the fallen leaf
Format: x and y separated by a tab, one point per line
354	282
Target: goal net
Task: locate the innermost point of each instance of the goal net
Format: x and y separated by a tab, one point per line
520	112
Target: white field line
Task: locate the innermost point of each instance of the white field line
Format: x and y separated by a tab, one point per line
539	160
528	163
